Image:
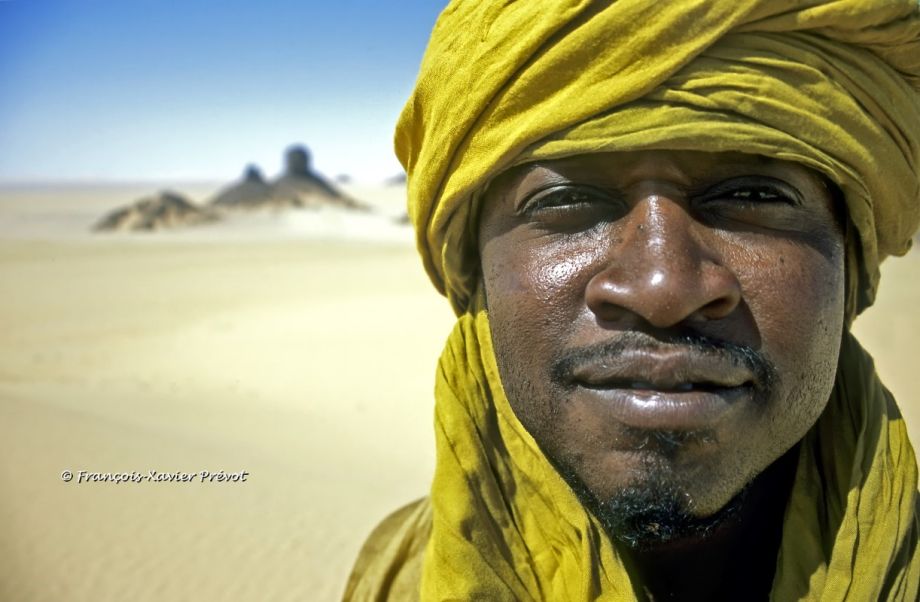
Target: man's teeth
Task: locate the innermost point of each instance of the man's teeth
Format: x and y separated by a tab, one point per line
647	386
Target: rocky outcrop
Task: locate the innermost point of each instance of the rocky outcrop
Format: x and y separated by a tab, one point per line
297	187
165	210
310	189
252	192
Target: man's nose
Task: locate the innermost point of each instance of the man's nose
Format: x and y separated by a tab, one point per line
661	268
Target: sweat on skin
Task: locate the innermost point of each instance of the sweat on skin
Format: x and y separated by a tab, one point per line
656	222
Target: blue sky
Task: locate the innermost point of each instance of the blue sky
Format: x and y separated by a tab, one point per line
193	90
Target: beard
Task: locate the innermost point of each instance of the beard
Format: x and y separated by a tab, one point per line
652	513
656	508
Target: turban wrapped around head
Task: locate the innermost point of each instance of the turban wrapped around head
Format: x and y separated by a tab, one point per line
833	85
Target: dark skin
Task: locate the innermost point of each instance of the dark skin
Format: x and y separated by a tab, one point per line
667	325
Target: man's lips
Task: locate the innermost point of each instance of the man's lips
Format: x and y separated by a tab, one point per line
663	371
674	391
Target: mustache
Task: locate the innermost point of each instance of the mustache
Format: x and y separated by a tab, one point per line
563	368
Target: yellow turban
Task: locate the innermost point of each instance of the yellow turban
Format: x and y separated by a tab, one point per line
832	85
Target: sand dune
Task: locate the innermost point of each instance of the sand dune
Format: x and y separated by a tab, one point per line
282	349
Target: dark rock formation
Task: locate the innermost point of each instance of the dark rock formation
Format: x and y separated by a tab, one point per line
165	210
252	192
299	186
300	182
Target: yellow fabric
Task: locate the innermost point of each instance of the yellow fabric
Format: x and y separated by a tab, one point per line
389	566
501	524
834	85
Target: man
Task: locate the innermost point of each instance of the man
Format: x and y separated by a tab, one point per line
656	222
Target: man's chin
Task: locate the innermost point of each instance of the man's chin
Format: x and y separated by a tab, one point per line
658	514
654	512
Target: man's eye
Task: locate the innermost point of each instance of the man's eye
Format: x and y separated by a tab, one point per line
760	194
565	199
751	193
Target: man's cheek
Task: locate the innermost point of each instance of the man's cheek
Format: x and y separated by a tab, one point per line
798	307
793	288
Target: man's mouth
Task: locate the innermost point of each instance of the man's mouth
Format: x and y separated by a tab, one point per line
672	391
682	387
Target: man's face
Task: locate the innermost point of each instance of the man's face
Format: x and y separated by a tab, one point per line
664	321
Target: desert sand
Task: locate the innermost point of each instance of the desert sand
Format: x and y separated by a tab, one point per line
299	350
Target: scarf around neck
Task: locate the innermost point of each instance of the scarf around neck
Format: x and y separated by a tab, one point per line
501	524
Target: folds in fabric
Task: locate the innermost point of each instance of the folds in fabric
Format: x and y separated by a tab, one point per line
501	524
832	85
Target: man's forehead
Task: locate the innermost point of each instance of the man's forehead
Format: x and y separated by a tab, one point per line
681	166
